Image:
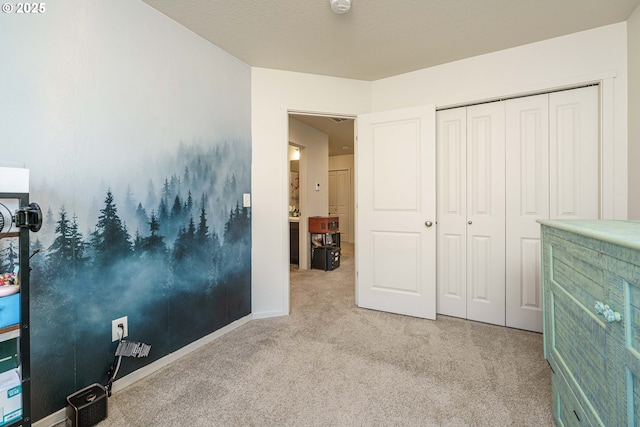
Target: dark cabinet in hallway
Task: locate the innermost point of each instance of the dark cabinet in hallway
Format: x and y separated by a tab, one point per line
294	242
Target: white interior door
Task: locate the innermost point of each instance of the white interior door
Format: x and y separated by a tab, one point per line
552	172
527	169
486	213
471	203
574	124
343	186
544	165
333	194
451	269
340	200
396	236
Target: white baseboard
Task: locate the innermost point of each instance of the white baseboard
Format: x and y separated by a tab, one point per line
60	416
268	314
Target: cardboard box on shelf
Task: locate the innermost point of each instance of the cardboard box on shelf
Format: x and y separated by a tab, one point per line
10	396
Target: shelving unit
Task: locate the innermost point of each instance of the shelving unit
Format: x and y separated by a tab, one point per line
325	243
15	368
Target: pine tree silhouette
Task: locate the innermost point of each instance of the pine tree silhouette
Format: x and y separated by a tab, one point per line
142	219
154	244
66	255
110	240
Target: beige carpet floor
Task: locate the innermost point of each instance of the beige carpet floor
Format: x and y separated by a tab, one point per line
332	364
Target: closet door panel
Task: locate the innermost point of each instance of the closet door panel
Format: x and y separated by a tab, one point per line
452	207
527	200
574	153
501	167
486	213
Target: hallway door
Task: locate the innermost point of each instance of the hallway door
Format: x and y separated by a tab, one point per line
396	233
340	200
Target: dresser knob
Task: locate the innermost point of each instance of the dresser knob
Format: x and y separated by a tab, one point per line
606	311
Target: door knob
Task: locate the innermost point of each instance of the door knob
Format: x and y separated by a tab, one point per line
469	222
428	223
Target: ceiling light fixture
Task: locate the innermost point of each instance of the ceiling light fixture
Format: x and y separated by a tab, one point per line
340	6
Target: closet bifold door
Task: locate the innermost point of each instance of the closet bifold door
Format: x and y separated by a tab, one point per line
486	213
527	191
502	166
470	201
552	172
574	147
451	203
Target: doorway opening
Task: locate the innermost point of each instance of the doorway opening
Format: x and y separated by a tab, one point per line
321	161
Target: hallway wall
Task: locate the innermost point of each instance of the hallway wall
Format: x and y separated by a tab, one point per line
314	159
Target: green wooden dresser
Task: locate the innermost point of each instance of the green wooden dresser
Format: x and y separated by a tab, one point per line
591	300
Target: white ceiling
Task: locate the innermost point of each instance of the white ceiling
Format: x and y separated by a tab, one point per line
382	38
340	131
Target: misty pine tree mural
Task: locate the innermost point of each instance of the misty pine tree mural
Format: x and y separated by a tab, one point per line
173	254
138	145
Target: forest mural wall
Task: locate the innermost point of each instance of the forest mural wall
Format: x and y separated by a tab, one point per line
137	136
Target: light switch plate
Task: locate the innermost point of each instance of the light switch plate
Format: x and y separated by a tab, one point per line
246	200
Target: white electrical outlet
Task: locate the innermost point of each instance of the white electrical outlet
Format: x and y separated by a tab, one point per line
115	336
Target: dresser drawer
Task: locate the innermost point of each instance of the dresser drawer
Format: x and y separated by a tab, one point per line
578	364
567	411
632	359
577	269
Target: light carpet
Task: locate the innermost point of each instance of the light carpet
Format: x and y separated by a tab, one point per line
330	363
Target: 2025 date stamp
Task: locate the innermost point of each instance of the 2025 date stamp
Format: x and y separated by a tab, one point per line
24	8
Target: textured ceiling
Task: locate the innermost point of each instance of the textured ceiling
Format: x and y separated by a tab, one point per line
340	131
382	38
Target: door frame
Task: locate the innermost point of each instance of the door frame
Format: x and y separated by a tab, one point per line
304	240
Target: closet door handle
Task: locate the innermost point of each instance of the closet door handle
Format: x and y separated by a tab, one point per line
428	223
469	222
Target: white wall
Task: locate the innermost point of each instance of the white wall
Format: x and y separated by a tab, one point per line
347	162
273	93
314	166
633	37
594	55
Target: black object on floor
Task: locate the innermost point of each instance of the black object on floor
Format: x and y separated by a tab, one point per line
325	258
87	407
